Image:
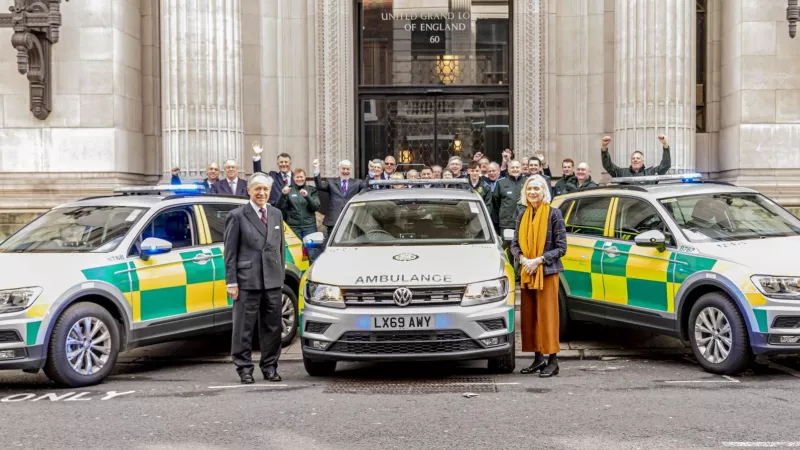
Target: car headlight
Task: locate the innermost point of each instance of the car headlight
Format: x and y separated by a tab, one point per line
778	287
485	292
14	300
324	295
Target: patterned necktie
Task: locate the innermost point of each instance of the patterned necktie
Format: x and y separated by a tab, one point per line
344	186
263	216
285	180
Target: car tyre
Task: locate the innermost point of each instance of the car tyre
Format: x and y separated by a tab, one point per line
319	368
507	362
718	335
288	306
94	357
564	320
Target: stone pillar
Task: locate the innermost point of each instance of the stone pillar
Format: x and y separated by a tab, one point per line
655	80
335	84
201	67
530	76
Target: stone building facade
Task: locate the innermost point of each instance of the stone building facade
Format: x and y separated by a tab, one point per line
141	86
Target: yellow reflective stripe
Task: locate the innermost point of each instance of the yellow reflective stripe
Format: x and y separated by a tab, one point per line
569	212
612	226
609	215
202	225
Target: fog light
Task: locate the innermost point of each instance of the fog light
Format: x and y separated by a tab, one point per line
491	342
319	345
12	354
784	339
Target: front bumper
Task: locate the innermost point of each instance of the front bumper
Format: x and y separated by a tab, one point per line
18	332
457	333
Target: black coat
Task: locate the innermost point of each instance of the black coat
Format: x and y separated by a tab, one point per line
336	198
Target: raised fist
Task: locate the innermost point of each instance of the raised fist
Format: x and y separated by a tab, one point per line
257	147
285	190
477	156
303	192
663	140
316	164
606	141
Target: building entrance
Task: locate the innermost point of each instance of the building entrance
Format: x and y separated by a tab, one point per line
434	81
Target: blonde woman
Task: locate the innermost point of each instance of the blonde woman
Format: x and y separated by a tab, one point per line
398	176
539	243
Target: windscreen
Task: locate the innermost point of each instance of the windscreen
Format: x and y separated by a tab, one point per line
413	222
74	230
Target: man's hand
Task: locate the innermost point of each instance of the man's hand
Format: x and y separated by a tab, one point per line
315	163
606	141
303	192
285	190
257	148
176	170
477	156
233	292
663	140
540	154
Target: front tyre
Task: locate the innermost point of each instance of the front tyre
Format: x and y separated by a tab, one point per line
507	362
83	346
718	335
288	316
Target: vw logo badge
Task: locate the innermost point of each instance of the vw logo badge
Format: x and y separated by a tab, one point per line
405	257
402	296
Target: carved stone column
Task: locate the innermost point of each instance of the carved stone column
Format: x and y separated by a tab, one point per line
655	80
530	76
201	67
335	96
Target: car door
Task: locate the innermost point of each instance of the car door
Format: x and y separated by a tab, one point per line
215	215
586	220
173	292
638	279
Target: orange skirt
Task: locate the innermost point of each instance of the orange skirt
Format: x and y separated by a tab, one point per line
540	330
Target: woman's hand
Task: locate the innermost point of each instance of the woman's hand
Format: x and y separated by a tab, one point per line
531	265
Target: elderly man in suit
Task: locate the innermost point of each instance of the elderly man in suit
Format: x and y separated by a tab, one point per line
283	177
339	190
231	184
254	271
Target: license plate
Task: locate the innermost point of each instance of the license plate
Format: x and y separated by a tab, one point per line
402	323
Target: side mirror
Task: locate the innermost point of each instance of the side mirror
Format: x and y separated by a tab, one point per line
154	246
508	234
652	238
314	240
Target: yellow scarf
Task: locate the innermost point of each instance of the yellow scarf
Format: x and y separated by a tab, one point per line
532	236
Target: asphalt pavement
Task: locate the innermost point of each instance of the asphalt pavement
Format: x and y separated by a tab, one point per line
646	399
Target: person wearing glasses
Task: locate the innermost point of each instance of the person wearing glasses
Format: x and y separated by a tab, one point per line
389	166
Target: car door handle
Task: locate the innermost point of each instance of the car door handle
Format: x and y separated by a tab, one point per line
201	259
611	250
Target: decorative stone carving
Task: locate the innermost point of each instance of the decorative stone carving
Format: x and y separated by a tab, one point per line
335	84
36	26
530	76
655	81
201	79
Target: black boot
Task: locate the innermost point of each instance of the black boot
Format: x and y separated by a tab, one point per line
552	367
537	364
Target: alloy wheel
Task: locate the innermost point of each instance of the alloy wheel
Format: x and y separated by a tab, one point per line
287	316
712	335
88	346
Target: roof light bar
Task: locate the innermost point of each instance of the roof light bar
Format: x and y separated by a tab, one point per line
685	178
161	188
420	181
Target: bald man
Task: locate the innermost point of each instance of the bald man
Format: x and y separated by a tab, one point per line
583	177
254	271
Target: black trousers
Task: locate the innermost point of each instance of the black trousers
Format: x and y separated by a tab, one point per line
262	307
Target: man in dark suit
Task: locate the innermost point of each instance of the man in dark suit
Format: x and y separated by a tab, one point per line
254	272
231	184
282	178
339	191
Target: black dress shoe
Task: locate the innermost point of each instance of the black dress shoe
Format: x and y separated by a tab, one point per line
272	375
534	367
549	371
247	378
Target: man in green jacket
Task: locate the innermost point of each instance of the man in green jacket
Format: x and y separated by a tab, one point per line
481	187
583	177
567	182
506	200
637	168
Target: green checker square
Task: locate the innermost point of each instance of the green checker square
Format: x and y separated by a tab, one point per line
115	274
165	302
219	268
647	294
196	273
693	264
216	251
597	256
617	266
31	331
761	318
580	283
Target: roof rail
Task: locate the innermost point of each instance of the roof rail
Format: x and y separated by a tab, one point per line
161	189
628	187
420	181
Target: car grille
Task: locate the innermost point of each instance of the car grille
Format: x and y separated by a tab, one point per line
9	336
316	327
786	322
421	296
415	342
492	324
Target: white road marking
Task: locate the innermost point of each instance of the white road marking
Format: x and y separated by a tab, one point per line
727	379
235	386
761	444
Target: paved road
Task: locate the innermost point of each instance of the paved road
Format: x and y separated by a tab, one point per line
614	403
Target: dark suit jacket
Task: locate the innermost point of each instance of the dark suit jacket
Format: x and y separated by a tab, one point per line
277	185
255	255
336	198
222	187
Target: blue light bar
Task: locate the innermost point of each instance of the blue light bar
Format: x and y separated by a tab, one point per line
166	188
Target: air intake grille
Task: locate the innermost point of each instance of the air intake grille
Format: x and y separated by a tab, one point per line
420	296
786	322
9	336
493	324
316	327
444	341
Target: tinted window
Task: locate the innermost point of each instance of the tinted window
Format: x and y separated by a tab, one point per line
216	216
589	216
634	217
175	225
